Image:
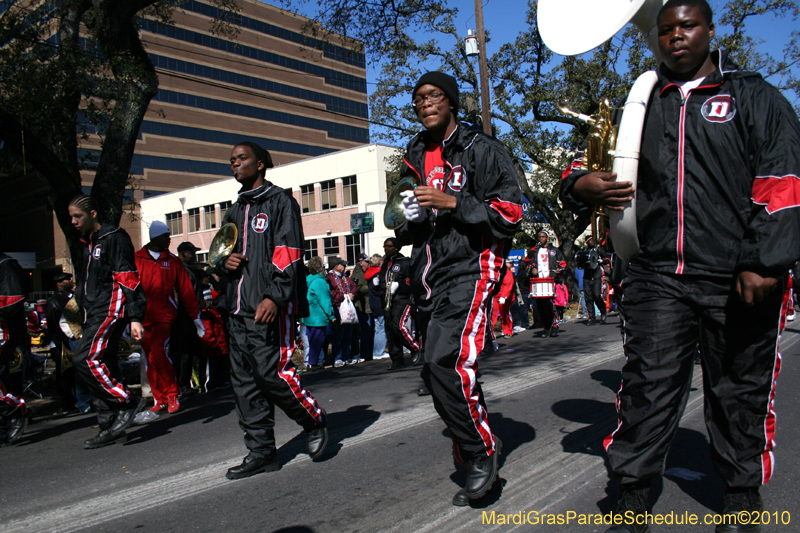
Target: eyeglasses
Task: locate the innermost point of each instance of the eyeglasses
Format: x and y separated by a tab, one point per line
433	98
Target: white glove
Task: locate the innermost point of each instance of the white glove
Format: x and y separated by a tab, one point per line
376	281
411	208
201	329
62	323
393	288
502	301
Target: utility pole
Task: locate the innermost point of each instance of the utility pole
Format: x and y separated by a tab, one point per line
486	111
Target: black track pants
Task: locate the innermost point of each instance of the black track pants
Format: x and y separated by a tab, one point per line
666	318
593	294
262	375
454	326
547	312
398	331
95	361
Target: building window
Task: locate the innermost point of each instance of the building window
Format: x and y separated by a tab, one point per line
331	245
328	193
202	257
211	220
349	191
174	223
307	198
311	249
223	208
354	246
194	219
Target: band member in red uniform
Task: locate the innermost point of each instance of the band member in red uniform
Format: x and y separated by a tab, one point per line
12	328
266	295
110	297
162	274
461	220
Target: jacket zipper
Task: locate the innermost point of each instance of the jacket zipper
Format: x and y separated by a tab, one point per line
244	252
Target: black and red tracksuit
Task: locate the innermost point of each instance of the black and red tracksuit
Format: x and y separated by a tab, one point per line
456	262
717	194
12	332
398	316
110	296
262	373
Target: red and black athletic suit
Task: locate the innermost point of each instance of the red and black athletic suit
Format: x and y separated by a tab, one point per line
13	332
506	291
110	296
398	316
545	306
160	278
455	264
717	194
262	373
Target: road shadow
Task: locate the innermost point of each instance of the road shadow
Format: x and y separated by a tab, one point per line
341	425
36	433
512	434
207	407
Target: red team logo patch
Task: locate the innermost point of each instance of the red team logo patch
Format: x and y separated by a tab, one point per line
720	108
260	223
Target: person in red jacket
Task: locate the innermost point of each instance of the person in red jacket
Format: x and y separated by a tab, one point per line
161	273
503	300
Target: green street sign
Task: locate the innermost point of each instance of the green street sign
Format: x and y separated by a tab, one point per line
362	222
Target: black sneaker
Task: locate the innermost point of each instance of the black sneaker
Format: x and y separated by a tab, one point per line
634	500
16	427
394	367
746	500
482	473
125	417
105	438
317	438
553	331
603	318
416	358
255	464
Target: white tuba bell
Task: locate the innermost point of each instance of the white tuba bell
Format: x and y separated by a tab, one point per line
571	27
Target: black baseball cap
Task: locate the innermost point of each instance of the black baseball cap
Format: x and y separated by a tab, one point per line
186	246
363	257
58	278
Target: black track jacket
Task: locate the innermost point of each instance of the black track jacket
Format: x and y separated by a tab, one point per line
108	284
471	241
718	188
271	238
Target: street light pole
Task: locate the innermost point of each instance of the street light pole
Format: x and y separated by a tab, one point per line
486	111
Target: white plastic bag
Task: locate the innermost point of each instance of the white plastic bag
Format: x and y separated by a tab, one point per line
347	311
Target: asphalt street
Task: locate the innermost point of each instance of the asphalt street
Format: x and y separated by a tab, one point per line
389	465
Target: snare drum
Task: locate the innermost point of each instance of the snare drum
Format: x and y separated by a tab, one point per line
543	288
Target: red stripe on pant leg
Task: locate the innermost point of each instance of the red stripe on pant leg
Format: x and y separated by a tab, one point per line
99	345
472	341
767	457
11	400
608	440
287	373
406	330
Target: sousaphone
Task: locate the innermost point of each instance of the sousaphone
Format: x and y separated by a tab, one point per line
572	27
222	244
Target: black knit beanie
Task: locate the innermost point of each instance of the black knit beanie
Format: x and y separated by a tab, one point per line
445	82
